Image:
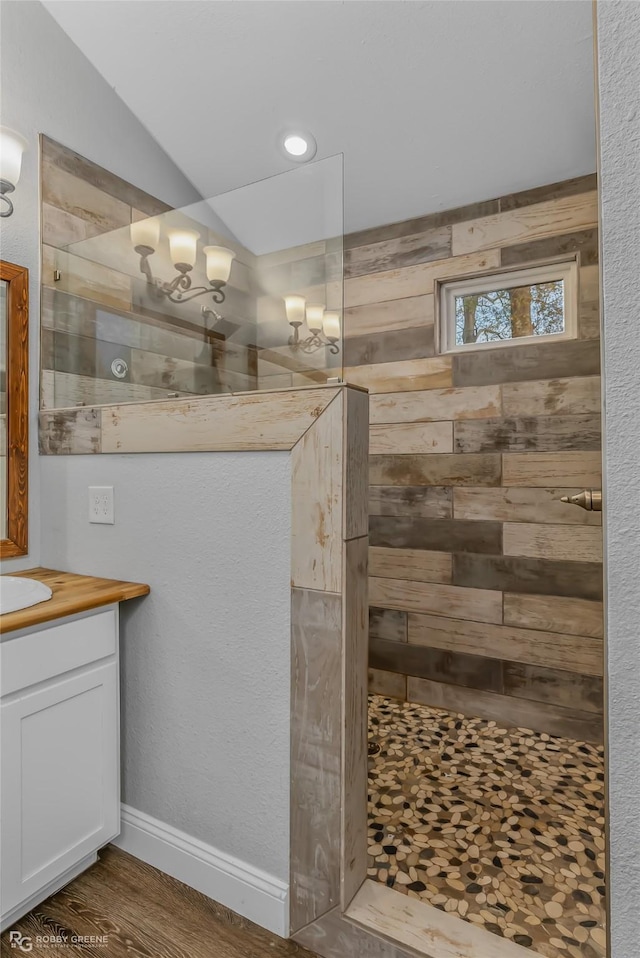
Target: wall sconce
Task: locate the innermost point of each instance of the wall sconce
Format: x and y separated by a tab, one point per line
183	249
324	325
12	146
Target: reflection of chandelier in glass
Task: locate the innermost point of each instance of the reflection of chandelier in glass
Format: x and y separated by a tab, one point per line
324	325
183	247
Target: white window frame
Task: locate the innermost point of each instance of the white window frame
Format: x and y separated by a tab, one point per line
448	290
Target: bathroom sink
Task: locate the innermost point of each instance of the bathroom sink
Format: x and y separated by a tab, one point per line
19	593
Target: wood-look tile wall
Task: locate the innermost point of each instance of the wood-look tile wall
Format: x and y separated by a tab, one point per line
94	313
485	589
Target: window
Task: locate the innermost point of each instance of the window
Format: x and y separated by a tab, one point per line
519	306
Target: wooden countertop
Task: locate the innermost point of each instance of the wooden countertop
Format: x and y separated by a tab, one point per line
71	594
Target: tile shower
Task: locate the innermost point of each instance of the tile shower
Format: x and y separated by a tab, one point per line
485	590
486	796
502	826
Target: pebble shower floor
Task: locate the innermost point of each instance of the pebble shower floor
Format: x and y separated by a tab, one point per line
504	827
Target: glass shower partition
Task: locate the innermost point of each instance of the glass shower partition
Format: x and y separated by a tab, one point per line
151	310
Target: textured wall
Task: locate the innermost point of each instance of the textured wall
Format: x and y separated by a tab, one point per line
206	657
48	86
619	92
485	589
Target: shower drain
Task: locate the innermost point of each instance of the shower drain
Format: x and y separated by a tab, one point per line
373	749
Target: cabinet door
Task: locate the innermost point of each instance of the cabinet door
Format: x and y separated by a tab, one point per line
60	778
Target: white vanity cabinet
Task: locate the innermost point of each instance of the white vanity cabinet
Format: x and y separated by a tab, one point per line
60	763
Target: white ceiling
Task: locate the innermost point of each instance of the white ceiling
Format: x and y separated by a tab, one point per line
434	104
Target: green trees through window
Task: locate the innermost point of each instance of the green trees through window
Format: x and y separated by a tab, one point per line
536	310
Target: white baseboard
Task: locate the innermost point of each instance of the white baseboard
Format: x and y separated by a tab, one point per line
246	890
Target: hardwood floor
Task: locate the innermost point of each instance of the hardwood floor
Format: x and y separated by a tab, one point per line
145	914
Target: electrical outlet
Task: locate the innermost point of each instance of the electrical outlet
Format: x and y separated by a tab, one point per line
101	504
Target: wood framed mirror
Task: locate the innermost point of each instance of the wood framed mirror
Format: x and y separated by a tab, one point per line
14	409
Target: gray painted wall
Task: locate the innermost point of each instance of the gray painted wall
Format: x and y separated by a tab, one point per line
619	92
206	656
48	86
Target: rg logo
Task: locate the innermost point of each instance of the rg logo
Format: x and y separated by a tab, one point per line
23	942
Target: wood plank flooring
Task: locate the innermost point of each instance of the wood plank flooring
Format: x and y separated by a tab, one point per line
146	914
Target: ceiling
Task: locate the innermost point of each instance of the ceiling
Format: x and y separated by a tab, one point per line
434	104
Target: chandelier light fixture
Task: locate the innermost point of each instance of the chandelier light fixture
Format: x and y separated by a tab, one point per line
323	324
183	249
12	146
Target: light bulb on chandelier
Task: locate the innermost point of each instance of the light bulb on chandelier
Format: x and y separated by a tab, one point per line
183	250
324	325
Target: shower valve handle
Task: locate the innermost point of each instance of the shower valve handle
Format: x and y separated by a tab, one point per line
589	499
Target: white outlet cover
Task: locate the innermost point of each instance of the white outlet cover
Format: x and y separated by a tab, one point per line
101	508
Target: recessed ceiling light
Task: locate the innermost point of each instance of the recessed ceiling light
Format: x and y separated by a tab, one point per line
299	146
296	145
